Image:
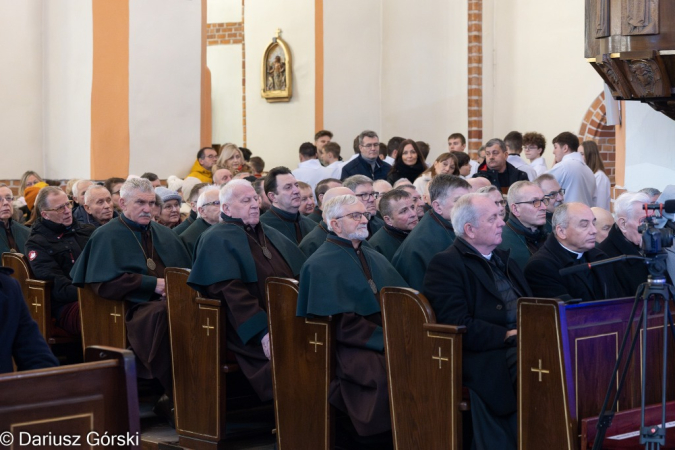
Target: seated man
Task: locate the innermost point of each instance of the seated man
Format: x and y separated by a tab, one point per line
362	186
475	284
191	198
416	198
381	187
20	338
497	197
113	185
79	189
367	161
433	234
283	192
571	243
604	221
306	199
317	236
524	231
549	185
625	239
398	210
232	261
497	169
201	169
125	260
56	241
360	385
99	206
208	212
321	188
222	176
13	235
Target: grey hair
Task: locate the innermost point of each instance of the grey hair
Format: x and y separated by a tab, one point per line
623	205
650	191
76	190
227	191
544	177
496	141
96	187
513	195
387	200
333	207
561	216
365	134
202	195
442	186
488	189
356	180
465	212
136	185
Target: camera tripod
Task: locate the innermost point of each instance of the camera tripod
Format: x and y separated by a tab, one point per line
660	294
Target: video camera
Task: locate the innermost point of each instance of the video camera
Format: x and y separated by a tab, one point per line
656	240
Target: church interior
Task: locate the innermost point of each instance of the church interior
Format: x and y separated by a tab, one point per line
117	88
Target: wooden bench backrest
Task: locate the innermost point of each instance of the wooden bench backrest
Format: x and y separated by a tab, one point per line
99	395
424	368
102	320
198	349
302	369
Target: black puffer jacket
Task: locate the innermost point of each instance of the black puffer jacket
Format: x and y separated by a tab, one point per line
52	250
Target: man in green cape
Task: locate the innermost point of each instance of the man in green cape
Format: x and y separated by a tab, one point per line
208	212
192	200
232	262
321	188
399	212
434	233
343	279
364	191
13	235
317	236
283	191
125	259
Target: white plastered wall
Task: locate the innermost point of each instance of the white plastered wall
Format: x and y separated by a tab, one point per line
164	86
535	77
21	95
276	130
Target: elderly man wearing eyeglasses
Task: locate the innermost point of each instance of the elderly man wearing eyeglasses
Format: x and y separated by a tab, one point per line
208	213
524	232
360	386
554	192
362	186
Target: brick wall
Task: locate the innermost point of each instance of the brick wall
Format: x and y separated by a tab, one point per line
475	76
224	33
594	128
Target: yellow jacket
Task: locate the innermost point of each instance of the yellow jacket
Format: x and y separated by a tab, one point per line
203	174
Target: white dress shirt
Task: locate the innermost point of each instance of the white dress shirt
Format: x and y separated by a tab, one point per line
576	178
310	171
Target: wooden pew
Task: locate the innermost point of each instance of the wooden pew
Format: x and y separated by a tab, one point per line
566	354
424	367
302	370
102	320
38	297
97	396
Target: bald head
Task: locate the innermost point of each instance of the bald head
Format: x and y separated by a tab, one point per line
478	182
334	192
603	222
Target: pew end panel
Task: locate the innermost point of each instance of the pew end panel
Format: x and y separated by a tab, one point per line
103	320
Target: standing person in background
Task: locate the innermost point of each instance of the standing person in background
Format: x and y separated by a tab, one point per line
534	145
457	143
589	150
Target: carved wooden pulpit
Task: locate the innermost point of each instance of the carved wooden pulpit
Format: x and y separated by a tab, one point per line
631	44
566	355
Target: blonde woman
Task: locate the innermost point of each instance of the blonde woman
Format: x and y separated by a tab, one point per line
230	158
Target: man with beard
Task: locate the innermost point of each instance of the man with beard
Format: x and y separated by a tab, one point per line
549	185
13	235
55	243
362	186
232	262
208	213
98	205
283	192
398	210
572	243
317	236
433	234
126	260
360	386
524	232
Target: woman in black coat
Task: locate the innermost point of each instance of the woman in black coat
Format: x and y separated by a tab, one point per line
409	162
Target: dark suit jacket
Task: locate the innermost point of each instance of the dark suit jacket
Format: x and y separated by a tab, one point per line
460	286
542	275
20	337
631	273
359	166
512	173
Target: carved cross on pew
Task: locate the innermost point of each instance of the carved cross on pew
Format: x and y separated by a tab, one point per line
115	315
208	327
36	304
315	342
540	370
439	358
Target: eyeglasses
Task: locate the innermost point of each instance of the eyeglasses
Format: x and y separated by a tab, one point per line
366	195
356	216
375	145
530	147
216	202
537	203
555	193
61	209
7	199
501	203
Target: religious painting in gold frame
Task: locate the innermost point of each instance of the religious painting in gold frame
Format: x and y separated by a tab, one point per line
277	71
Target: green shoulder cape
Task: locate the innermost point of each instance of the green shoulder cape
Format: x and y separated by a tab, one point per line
114	249
385	243
222	253
332	282
20	233
314	239
424	241
184	225
285	227
192	233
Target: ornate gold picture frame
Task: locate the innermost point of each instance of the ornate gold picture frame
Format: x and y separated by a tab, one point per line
277	71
